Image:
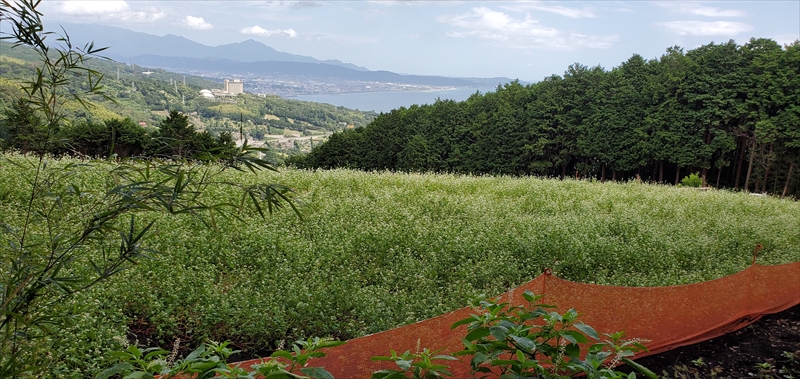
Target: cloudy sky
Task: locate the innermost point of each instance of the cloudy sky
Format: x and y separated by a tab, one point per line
528	40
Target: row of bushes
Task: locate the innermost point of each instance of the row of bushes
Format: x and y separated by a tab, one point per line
23	130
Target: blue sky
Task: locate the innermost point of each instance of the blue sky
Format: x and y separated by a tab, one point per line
528	40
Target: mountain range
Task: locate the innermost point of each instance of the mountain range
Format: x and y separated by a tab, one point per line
128	44
247	58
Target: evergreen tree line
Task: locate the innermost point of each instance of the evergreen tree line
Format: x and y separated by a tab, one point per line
730	113
22	130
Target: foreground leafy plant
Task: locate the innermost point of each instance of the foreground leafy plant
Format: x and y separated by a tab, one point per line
210	360
62	237
419	365
302	352
529	342
207	361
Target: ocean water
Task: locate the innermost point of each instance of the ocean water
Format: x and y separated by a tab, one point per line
386	101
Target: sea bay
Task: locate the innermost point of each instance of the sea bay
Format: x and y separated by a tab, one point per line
386	101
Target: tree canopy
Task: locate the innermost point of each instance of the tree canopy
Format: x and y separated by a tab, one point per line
728	112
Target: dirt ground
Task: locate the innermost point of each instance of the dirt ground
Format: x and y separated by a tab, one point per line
768	348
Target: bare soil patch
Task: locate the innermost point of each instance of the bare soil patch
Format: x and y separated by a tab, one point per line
768	348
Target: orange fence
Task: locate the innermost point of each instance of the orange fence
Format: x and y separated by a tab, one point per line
669	317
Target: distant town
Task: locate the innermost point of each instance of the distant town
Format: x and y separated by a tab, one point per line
289	86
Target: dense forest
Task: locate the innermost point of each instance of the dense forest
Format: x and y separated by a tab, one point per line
728	112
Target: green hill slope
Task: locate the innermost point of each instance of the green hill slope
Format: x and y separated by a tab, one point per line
144	94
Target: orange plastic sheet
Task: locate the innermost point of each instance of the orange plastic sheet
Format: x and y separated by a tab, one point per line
669	317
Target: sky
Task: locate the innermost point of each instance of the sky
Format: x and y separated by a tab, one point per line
526	40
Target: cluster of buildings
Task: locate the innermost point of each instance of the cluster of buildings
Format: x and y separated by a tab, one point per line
232	88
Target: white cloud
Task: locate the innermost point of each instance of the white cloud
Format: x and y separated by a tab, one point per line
702	28
196	23
259	31
698	9
90	8
484	23
420	3
109	10
557	9
146	15
388	3
279	5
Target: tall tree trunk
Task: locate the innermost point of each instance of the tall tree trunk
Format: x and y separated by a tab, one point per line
613	175
788	180
739	164
677	174
705	172
766	171
775	185
750	167
586	169
603	174
563	171
661	172
719	174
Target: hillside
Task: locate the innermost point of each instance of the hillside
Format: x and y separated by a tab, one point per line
144	94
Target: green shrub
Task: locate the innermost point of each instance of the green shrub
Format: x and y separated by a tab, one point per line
530	342
693	180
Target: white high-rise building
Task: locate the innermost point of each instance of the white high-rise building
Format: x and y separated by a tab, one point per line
234	87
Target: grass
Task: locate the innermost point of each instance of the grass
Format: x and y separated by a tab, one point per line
379	250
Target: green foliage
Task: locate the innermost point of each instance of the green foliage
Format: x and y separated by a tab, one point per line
530	342
725	110
180	140
210	361
693	180
419	365
790	364
60	237
390	249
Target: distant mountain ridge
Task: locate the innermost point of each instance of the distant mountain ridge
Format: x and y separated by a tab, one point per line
247	58
314	70
127	43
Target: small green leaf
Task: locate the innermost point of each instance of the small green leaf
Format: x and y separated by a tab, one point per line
119	368
498	332
282	354
573	336
316	372
572	350
139	375
477	333
528	296
588	330
404	364
465	321
524	343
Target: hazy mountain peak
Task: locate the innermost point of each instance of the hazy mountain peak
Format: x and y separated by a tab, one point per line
128	43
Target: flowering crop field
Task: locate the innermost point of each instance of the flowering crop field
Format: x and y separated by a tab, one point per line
379	250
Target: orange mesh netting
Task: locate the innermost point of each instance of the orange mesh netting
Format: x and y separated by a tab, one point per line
669	317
